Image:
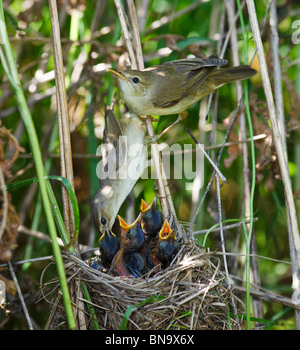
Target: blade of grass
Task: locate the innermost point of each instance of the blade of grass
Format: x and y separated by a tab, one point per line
10	67
248	232
28	253
132	308
186	313
90	308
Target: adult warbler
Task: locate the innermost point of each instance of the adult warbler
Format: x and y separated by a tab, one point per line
172	87
123	162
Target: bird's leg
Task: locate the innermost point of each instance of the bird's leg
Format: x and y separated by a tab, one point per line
155	138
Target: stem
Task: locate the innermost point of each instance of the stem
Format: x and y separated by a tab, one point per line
63	117
250	228
248	245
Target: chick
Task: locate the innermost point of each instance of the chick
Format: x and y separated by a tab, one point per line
152	219
108	246
134	264
167	246
127	260
151	222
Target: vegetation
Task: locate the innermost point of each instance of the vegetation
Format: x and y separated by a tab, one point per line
44	198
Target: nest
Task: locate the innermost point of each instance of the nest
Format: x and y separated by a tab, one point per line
190	294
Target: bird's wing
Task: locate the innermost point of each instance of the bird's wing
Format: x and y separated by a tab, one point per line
113	141
194	72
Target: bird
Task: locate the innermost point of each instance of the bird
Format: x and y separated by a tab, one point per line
127	261
132	236
151	223
109	245
151	218
134	264
172	87
167	246
123	161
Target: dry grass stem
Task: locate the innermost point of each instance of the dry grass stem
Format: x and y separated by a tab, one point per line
63	118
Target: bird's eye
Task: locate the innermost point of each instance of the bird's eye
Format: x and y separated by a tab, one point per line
136	80
103	220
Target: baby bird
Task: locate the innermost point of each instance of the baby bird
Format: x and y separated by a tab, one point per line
152	219
109	245
167	246
127	260
151	222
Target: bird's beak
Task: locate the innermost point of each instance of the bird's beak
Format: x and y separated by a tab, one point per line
144	206
136	220
124	228
117	74
105	229
165	231
124	225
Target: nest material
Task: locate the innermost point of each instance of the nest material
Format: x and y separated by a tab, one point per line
189	294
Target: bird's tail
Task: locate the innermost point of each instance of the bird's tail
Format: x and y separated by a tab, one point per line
228	75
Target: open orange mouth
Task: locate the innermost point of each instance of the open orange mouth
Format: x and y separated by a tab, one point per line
124	225
166	231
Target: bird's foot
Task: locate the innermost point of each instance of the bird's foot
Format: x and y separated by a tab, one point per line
153	139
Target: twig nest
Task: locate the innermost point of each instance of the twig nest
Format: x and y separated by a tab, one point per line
189	294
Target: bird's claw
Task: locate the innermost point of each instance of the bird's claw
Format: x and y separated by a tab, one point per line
150	140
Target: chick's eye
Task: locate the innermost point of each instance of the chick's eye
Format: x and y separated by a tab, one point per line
136	80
